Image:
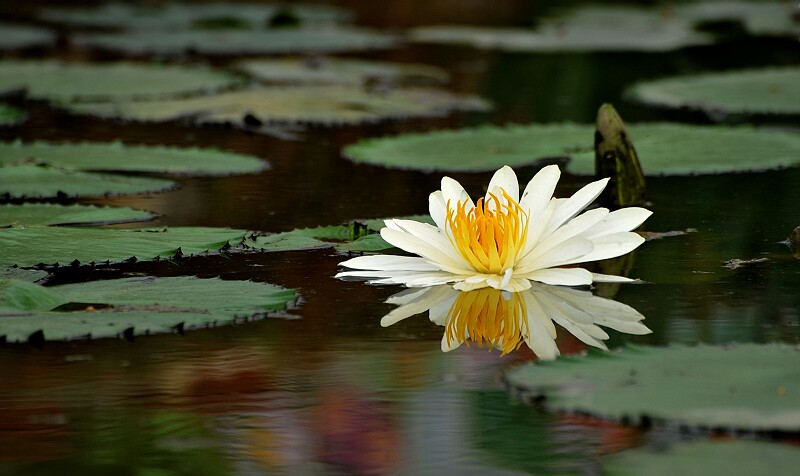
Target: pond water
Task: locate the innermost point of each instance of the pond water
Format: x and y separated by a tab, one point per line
324	389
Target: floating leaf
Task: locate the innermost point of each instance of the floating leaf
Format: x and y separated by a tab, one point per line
10	116
663	148
66	82
773	18
755	91
15	37
342	71
747	386
42	214
29	275
116	156
227	42
591	28
305	104
188	15
34	181
131	306
732	458
26	247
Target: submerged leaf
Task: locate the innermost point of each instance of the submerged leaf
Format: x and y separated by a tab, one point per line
754	91
67	82
305	104
142	305
33	181
743	386
115	156
43	214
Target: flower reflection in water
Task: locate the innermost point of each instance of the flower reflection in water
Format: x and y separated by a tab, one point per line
503	320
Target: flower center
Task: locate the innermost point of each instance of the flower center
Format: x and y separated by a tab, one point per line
491	235
489	317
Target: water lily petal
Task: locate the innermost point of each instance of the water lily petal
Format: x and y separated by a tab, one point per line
539	191
624	219
611	246
505	179
453	194
438	209
415	302
574	204
418	246
561	276
610	278
389	263
436	238
571	229
565	252
448	345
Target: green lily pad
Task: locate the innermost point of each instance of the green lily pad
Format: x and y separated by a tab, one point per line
743	386
66	82
228	42
314	104
755	91
767	18
115	156
663	148
29	275
173	16
131	306
342	71
590	28
27	247
35	181
11	116
17	37
45	214
732	458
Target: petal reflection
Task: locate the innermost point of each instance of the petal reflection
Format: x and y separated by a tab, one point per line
504	320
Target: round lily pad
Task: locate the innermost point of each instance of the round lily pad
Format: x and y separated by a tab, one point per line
742	386
17	37
131	306
663	148
590	28
315	104
699	458
755	91
10	116
27	247
172	16
46	214
37	181
342	71
115	156
228	42
66	82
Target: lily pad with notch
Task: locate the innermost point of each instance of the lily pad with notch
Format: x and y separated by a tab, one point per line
119	157
66	82
315	104
663	148
131	306
47	214
740	386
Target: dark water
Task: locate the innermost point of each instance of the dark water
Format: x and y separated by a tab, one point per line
326	390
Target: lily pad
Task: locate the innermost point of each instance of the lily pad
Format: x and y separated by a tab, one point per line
44	214
315	104
67	82
755	91
767	18
663	148
733	458
591	28
27	247
115	156
342	71
17	37
36	181
228	42
131	306
29	275
743	386
189	15
10	116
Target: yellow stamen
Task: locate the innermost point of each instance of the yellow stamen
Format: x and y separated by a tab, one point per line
490	236
489	318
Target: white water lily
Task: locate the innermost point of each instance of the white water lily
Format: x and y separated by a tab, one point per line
503	320
505	241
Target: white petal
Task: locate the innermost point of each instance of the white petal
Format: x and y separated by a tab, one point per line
437	238
454	193
447	346
437	208
389	263
573	228
610	278
624	219
506	179
565	252
574	204
611	246
418	246
562	276
466	285
417	302
541	332
539	191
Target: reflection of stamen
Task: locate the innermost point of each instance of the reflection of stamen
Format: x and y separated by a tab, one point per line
491	235
488	317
